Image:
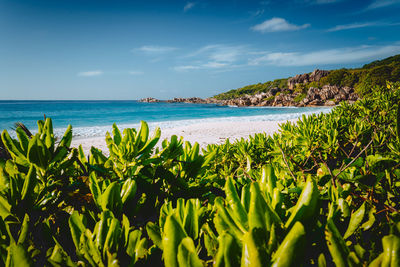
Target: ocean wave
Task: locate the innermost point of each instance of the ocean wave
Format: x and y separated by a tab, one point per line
97	131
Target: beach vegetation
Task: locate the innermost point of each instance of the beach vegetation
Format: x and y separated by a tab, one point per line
299	97
322	191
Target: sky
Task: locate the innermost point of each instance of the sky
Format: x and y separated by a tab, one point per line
126	50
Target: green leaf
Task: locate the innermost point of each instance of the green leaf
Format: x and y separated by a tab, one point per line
67	138
128	190
117	135
49	137
191	218
306	204
77	228
151	142
18	256
37	153
95	188
226	219
233	202
29	185
23	139
172	236
24	231
254	251
336	245
5	208
355	221
154	233
111	198
113	237
391	251
136	246
291	249
187	255
228	254
142	135
16	153
379	163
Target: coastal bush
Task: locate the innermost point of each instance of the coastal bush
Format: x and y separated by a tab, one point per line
253	89
322	191
299	97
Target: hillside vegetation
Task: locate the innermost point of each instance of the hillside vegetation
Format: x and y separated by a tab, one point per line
363	80
323	191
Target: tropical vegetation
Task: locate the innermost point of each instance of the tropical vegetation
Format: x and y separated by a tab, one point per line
323	191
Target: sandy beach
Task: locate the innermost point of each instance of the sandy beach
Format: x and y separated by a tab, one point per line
203	133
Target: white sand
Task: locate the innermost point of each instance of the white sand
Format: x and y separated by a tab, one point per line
203	133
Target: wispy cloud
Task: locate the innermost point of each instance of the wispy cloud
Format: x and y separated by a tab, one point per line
318	2
322	2
155	49
90	73
360	25
351	26
257	13
324	57
382	3
188	6
186	68
216	56
136	72
277	25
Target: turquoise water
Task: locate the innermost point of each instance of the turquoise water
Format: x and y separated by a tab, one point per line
94	118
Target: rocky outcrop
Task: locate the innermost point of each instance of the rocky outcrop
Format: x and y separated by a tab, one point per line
149	100
328	95
194	100
315	76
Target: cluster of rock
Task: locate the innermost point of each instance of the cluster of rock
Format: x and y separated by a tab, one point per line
149	100
276	97
305	78
195	100
328	95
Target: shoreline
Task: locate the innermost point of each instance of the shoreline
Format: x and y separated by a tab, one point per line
203	133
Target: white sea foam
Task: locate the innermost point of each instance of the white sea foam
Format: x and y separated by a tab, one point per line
93	131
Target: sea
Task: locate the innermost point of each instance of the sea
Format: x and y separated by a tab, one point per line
95	118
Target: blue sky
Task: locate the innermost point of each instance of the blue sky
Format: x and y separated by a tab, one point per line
103	49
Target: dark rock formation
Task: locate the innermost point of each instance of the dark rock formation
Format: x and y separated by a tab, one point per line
194	100
328	95
149	100
315	76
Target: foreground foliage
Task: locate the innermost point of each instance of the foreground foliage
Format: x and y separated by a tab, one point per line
320	192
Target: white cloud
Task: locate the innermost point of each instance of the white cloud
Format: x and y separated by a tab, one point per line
188	6
318	2
360	25
321	2
215	65
324	57
156	49
277	25
216	56
382	3
136	72
185	68
257	13
351	26
91	73
220	52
